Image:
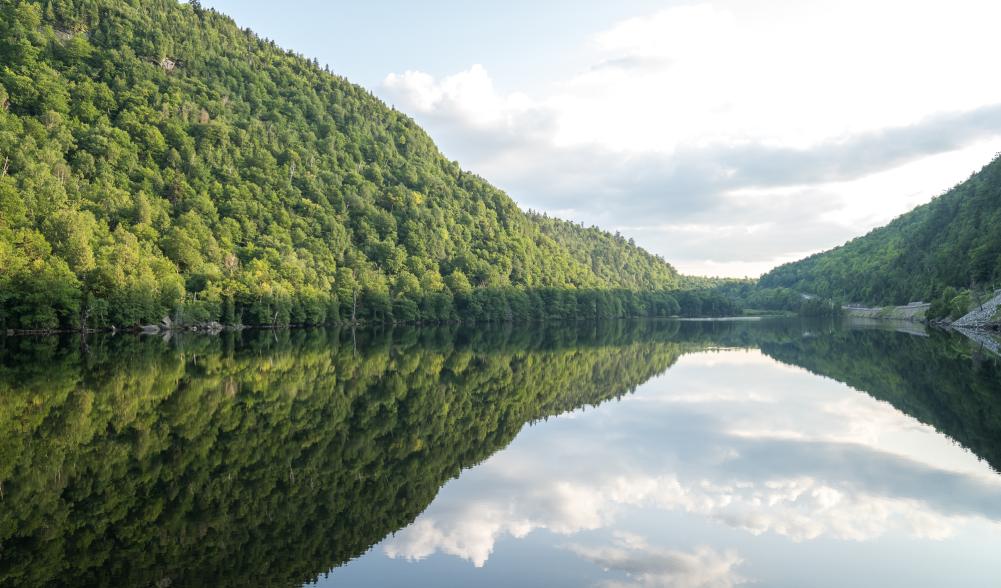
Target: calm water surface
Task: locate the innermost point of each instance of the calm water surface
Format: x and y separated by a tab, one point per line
657	454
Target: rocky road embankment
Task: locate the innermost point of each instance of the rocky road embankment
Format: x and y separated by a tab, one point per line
911	312
985	316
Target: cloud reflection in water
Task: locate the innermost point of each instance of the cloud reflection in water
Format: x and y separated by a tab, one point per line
731	436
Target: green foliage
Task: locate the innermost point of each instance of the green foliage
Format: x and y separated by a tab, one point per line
164	162
952	242
36	288
960	305
941	307
612	258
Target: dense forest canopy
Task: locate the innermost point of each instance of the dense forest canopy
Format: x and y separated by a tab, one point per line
158	160
612	258
928	254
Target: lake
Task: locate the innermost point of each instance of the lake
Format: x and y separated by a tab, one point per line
778	452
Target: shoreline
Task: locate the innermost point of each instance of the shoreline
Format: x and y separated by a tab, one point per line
217	328
915	313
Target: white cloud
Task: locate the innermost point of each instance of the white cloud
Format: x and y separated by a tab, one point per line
795	73
467	96
807	106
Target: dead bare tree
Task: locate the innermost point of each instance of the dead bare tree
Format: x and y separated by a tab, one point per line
84	318
6	167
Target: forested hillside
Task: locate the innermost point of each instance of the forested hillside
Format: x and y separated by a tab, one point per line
951	243
157	160
611	258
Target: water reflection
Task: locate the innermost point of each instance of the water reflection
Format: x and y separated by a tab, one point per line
746	443
630	555
268	459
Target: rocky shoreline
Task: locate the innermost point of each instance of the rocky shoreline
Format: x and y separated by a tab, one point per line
987	316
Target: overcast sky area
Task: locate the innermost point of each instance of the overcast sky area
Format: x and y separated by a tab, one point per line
728	136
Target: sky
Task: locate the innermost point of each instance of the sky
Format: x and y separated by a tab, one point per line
728	136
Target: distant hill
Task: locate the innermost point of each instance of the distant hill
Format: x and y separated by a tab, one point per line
953	242
158	160
611	258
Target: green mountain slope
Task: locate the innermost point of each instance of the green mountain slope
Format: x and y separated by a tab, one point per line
952	242
611	258
156	159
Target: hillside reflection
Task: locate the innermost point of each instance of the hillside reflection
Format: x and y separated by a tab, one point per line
269	458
